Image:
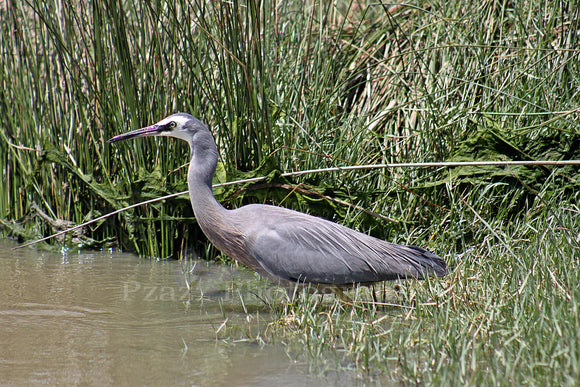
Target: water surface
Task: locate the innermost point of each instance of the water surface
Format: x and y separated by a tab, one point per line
109	318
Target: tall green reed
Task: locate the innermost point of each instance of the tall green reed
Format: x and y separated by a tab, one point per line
307	85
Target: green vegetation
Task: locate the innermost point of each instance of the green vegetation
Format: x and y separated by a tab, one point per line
507	315
291	86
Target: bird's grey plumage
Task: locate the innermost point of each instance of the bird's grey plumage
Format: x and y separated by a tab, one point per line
313	250
283	245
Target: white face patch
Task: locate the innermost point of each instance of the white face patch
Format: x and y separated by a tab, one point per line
179	120
178	131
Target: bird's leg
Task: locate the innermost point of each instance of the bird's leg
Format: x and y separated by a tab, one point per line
384	285
384	293
338	291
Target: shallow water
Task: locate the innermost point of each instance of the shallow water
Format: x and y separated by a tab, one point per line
110	318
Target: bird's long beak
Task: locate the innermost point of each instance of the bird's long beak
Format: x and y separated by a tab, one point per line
146	131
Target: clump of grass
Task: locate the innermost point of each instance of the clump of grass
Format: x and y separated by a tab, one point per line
505	314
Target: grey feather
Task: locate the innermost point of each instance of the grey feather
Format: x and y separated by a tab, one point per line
299	247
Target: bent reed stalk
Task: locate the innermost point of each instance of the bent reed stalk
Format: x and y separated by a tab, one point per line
322	170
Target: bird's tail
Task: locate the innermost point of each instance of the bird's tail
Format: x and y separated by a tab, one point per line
430	263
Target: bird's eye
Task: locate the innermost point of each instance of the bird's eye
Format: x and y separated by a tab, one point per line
172	124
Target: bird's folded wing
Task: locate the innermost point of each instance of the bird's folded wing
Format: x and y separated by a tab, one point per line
320	251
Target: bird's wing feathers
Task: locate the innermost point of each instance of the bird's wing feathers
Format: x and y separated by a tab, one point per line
304	248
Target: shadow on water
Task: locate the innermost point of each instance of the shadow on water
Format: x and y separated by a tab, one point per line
114	319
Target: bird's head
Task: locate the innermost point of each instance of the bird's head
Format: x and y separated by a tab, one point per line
179	125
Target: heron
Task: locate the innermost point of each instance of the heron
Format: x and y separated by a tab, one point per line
288	247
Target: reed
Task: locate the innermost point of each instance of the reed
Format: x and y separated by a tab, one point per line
284	87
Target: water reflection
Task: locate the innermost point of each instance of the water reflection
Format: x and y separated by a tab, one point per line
115	319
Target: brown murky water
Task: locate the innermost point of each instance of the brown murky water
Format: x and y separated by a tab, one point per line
114	319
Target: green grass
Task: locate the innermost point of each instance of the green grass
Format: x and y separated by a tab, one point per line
507	314
291	86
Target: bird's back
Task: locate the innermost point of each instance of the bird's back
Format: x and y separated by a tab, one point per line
294	246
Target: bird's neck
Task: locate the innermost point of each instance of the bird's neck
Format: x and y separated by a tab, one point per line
222	227
215	221
204	157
